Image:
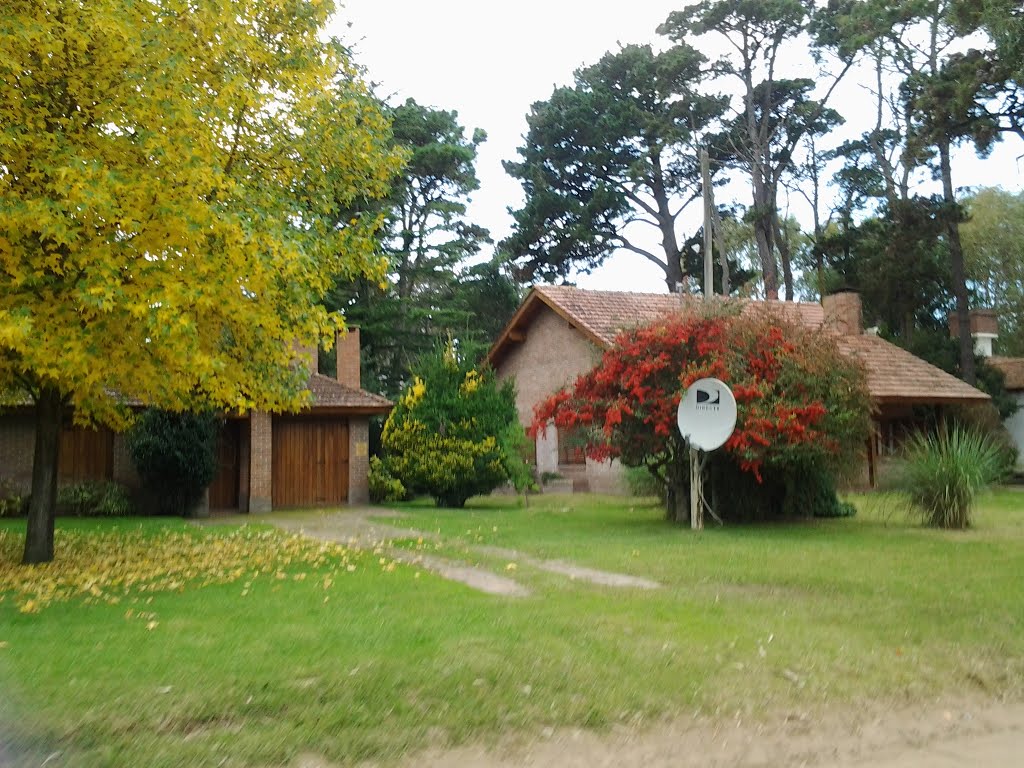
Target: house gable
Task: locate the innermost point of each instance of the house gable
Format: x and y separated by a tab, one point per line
550	353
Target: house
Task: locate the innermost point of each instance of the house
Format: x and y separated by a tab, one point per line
984	326
317	457
1013	371
559	333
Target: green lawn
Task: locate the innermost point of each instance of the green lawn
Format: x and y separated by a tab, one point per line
372	660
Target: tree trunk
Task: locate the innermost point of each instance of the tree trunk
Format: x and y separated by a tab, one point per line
764	235
677	489
769	271
784	256
674	272
956	256
43	506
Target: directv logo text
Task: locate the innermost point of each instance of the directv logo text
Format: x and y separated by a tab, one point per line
708	401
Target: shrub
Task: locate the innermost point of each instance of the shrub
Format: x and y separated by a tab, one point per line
176	457
12	502
448	436
802	407
642	482
945	471
384	487
986	420
94	498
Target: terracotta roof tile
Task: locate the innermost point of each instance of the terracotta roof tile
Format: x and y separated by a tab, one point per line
893	373
329	393
1012	368
605	313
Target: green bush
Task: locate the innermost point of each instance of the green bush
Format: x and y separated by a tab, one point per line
798	490
94	498
12	503
384	487
945	471
449	434
641	482
175	455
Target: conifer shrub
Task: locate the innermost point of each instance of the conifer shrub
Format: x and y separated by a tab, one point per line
449	433
384	487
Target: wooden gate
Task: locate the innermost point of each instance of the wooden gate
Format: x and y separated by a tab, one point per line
86	454
224	488
310	462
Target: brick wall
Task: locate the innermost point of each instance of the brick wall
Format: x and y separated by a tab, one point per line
358	460
17	443
552	356
260	462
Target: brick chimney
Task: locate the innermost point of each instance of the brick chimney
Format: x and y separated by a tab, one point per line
310	355
984	330
843	312
347	345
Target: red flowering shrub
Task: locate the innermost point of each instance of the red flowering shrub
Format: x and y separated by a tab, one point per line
802	406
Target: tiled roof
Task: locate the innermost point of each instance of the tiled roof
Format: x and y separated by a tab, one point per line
604	313
1012	368
329	393
893	373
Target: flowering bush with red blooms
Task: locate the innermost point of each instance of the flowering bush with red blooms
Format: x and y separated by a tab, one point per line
801	404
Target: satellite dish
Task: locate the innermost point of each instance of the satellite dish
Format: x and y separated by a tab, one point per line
707	414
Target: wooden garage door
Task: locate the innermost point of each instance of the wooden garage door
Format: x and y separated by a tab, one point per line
86	454
310	462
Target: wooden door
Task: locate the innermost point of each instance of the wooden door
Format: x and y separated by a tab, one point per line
224	488
86	454
310	462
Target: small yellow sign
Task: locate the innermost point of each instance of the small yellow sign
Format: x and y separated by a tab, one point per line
362	450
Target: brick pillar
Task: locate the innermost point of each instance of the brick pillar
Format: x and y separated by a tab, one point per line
358	460
260	462
244	435
347	345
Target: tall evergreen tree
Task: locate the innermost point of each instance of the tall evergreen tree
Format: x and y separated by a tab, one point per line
608	156
772	114
431	290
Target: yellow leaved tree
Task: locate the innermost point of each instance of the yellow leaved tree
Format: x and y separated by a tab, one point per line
175	185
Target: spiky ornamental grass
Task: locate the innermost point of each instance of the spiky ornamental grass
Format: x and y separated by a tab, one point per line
945	471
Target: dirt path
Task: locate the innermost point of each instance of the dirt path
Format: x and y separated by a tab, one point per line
942	735
353	526
573	571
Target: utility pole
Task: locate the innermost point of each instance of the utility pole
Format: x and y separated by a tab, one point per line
696	479
705	170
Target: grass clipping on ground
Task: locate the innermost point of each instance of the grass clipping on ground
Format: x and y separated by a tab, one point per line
112	566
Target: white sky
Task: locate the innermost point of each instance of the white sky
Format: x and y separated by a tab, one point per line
491	60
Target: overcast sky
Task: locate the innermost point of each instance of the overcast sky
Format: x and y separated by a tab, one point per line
490	61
